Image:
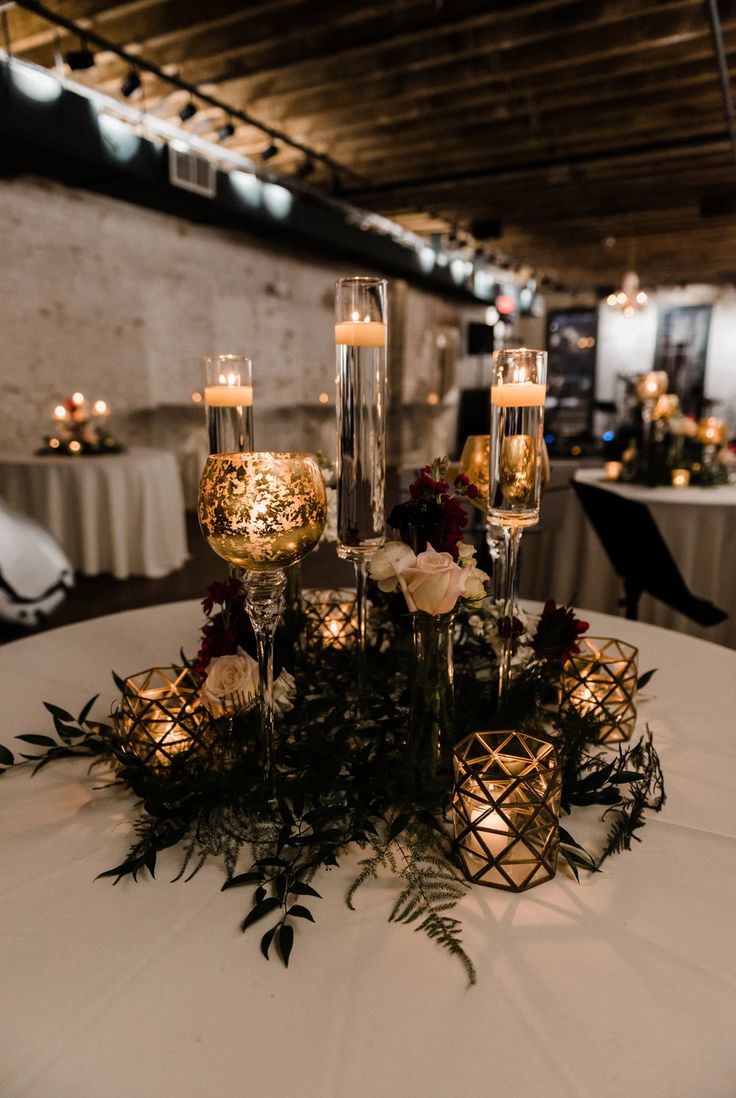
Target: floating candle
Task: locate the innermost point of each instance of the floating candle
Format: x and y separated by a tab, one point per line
360	333
229	396
524	394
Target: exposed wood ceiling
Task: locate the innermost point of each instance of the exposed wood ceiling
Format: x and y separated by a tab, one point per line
590	129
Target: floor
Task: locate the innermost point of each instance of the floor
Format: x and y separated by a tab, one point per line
94	596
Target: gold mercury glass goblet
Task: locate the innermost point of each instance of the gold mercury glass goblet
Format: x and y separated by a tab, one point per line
263	512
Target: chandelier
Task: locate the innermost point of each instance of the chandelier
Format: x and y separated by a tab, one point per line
629	299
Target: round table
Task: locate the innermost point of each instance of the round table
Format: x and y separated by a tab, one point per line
698	525
624	984
117	513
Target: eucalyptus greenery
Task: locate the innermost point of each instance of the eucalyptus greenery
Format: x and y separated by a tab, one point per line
342	783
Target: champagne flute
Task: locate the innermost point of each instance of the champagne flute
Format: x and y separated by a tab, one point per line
518	393
263	512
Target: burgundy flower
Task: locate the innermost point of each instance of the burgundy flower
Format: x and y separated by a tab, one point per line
557	634
434	515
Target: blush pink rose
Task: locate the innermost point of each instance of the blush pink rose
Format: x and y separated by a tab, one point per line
434	583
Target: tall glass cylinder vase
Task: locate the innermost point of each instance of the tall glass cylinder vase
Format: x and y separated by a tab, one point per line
361	326
228	398
431	721
518	393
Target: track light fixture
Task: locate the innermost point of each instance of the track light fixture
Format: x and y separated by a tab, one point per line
225	131
131	84
80	59
187	111
269	152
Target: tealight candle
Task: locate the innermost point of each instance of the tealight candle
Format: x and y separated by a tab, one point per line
613	470
600	681
652	385
680	478
505	807
711	431
161	715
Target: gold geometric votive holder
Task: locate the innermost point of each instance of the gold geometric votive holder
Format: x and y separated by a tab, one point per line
330	619
601	681
505	809
161	715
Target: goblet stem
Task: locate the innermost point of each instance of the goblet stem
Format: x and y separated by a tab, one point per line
264	602
512	538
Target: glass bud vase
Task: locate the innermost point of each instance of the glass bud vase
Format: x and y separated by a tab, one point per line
431	720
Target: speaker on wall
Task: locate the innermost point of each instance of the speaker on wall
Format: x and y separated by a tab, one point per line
480	338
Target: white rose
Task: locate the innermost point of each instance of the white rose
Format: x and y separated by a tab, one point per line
475	588
231	684
283	691
391	561
465	553
434	583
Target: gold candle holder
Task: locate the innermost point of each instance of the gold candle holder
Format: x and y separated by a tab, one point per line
161	715
600	681
711	431
330	619
505	809
651	386
474	463
680	478
613	470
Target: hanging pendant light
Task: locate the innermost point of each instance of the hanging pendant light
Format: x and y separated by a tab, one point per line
630	299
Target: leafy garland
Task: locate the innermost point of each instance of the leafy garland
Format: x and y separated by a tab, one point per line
343	783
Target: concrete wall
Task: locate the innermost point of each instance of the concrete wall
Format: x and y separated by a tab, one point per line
120	302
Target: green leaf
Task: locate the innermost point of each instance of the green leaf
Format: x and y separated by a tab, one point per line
150	861
241	879
642	681
57	711
39	741
86	710
398	824
267	939
301	888
120	683
285	941
259	911
7	758
300	912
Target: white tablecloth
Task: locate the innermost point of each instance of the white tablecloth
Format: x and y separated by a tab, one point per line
116	513
698	525
622	986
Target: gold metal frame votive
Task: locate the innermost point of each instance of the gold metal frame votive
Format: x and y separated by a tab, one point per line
161	715
601	681
330	617
505	809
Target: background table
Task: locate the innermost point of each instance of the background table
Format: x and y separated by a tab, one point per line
624	984
567	561
117	513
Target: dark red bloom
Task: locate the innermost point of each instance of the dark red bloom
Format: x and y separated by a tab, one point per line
228	628
434	515
557	634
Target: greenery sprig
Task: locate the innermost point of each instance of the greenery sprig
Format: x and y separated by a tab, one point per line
343	784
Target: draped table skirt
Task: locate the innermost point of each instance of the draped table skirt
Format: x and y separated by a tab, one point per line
121	514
